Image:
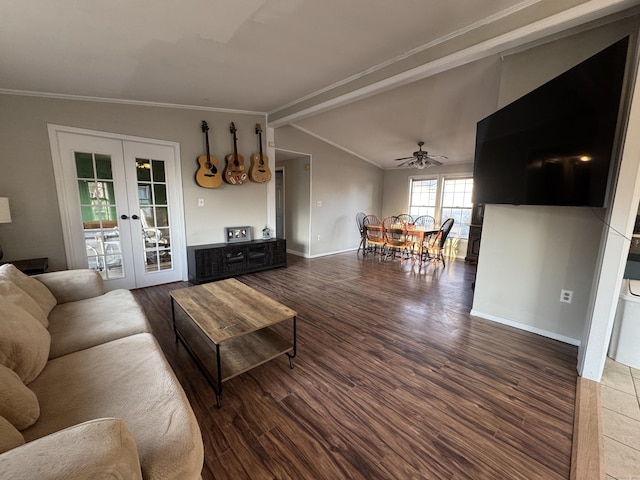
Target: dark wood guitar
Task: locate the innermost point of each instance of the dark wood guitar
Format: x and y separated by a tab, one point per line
259	171
207	175
234	172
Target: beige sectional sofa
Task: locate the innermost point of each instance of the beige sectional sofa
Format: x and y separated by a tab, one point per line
85	391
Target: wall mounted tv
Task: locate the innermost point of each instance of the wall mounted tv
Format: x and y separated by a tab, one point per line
554	145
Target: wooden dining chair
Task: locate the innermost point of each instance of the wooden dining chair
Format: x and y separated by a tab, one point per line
404	218
374	237
435	247
396	238
425	221
360	224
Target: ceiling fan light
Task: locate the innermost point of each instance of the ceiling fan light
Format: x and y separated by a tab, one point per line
421	159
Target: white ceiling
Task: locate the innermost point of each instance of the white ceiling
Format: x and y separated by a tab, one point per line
370	76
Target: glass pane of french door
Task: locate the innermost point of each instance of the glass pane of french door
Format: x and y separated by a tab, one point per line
154	214
98	209
153	193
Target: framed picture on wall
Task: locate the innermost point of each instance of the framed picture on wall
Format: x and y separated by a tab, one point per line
237	234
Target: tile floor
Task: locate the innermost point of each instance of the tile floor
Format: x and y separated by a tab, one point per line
620	395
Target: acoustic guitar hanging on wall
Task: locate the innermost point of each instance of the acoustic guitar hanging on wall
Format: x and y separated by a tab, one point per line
208	175
234	171
259	171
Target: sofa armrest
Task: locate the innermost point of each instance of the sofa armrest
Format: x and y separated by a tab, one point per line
73	285
101	448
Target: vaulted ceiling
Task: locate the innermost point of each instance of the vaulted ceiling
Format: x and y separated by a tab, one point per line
371	77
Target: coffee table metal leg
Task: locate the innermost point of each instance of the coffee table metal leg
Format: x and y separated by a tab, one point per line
292	355
173	317
218	390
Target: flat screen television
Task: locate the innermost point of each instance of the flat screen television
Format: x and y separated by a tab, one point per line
554	145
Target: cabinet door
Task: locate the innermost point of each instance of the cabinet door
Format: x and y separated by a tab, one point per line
234	259
258	256
280	252
208	263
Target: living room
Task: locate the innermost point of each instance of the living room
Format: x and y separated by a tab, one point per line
36	230
564	248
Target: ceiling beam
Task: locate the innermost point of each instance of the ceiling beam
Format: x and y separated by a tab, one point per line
456	51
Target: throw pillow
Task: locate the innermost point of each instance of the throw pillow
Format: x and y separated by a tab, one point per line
10	291
9	436
18	404
41	294
24	342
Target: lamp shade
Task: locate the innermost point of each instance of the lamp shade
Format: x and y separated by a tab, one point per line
5	213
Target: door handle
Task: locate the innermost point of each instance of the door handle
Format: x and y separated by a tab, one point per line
135	217
124	217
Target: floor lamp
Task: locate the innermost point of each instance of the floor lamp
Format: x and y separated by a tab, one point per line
5	215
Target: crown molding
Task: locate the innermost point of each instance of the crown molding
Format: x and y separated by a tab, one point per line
140	103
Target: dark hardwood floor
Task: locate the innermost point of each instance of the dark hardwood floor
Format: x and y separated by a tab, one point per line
393	380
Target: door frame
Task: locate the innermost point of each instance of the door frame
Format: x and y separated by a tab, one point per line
281	170
63	195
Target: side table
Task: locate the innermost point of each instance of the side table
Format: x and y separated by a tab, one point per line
30	266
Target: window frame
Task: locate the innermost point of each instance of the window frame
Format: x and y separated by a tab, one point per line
440	180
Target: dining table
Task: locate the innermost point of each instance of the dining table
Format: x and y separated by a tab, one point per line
415	232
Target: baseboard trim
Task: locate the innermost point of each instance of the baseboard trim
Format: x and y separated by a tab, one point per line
587	452
527	328
297	253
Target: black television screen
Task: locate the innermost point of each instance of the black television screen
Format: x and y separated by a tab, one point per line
554	145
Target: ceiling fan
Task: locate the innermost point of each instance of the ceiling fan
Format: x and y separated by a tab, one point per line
420	159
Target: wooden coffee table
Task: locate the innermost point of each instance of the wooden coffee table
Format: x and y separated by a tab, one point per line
229	328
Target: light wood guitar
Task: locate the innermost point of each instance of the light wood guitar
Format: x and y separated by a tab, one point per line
259	171
207	175
234	171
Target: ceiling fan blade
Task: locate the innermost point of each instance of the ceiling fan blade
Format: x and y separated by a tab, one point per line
420	158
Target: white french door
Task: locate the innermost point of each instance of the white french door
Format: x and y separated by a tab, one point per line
121	206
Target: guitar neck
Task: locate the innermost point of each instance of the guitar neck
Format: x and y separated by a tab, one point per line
233	130
205	130
235	146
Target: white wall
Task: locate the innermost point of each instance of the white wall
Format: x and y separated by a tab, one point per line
343	184
26	169
528	254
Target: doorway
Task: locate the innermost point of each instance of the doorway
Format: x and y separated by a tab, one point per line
120	201
297	201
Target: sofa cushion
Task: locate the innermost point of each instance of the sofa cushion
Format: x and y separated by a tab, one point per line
86	323
12	292
9	437
41	294
18	404
24	342
130	379
72	285
100	449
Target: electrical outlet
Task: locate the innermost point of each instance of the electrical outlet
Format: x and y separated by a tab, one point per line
201	202
318	237
566	296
